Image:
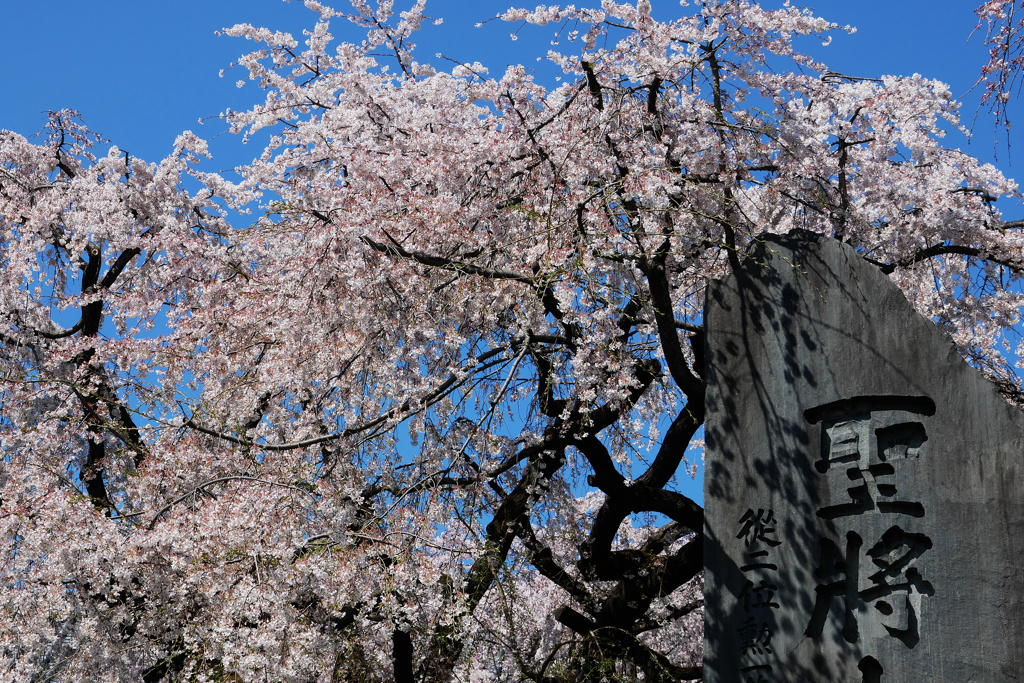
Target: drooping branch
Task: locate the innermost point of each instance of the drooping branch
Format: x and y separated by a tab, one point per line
220	480
406	409
710	55
445	646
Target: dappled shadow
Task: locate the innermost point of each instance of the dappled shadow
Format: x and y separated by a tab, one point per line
814	535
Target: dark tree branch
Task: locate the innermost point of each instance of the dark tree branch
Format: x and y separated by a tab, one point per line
628	316
123	259
606	477
661	299
942	250
542	558
593	85
652	96
395	249
445	646
402	656
574	620
549	407
425	401
647	577
649	624
674	445
732	252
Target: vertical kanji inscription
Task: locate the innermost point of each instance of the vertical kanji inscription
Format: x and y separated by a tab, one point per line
757	595
877	580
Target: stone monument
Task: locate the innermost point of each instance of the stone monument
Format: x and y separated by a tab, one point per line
864	486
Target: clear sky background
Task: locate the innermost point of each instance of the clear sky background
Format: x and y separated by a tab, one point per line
142	71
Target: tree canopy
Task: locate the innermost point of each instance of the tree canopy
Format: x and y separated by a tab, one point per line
202	416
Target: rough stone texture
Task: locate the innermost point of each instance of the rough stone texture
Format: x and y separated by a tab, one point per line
864	488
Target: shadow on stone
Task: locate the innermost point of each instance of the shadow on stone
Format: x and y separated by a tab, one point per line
864	511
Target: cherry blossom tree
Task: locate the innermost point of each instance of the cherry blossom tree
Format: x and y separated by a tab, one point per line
420	416
1003	21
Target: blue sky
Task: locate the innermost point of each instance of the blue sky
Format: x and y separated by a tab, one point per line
140	71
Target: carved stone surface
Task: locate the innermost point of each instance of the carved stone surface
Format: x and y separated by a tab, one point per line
864	487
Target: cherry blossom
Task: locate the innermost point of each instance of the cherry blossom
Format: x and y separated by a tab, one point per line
1004	36
420	415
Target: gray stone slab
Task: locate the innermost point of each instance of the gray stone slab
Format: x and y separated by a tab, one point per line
864	487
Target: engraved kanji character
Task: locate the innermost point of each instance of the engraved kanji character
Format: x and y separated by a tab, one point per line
867	452
898	585
758	596
761	673
755	639
758	527
758	559
895	591
839	576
